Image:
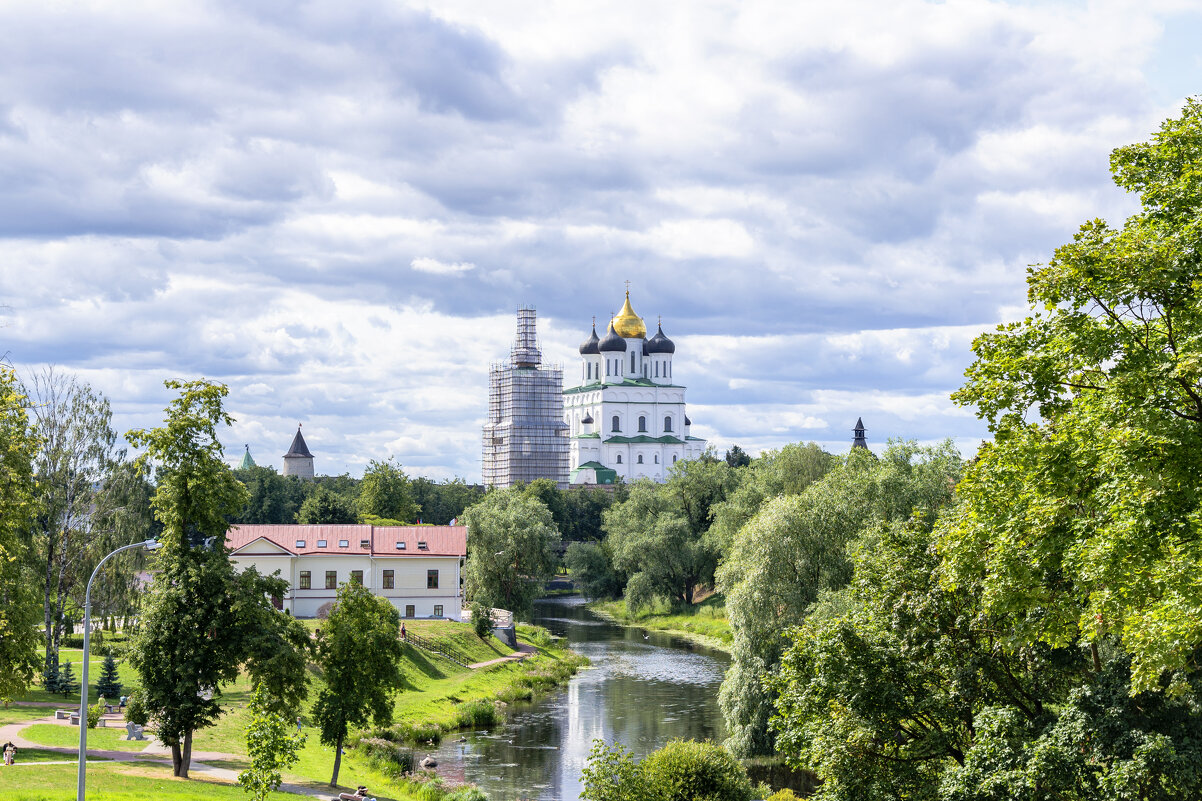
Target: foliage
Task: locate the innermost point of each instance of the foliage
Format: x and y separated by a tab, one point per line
583	511
1086	523
384	492
737	457
109	686
271	497
481	620
440	503
18	604
272	743
202	620
683	770
511	550
67	684
323	505
593	571
658	534
135	708
94	713
359	651
795	548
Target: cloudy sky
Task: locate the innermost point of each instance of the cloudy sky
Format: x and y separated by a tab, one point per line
335	208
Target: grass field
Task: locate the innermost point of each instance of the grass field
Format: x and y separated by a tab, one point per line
68	737
116	781
704	622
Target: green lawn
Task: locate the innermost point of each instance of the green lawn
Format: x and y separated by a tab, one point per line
705	622
17	714
68	737
113	781
127	675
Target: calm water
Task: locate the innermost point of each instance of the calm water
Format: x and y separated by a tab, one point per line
639	692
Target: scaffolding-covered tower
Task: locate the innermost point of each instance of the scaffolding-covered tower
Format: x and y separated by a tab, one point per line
525	437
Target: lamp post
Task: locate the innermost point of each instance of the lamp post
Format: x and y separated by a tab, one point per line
149	545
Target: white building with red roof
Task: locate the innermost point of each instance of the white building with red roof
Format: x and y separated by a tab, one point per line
419	569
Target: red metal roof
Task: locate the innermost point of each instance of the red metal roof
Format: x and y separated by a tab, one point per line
440	540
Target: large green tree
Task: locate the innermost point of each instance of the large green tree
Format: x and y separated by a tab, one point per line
511	542
795	548
1083	516
385	492
18	598
201	620
271	498
359	652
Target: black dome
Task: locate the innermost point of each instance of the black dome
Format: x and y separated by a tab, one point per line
588	420
589	345
660	343
611	341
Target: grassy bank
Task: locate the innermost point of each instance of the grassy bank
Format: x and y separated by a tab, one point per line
703	622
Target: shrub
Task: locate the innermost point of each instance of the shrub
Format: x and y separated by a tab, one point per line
481	620
477	714
386	756
467	794
135	709
783	795
684	770
94	713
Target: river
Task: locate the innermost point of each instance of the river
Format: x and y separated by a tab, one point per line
642	689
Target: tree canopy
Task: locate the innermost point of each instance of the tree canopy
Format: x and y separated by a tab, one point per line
511	550
385	492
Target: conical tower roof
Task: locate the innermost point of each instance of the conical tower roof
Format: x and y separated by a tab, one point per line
299	448
247	460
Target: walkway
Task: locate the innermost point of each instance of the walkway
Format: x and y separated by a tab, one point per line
521	653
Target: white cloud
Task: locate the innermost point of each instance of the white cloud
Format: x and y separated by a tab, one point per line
427	265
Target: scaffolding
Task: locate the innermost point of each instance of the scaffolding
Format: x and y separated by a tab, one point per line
525	437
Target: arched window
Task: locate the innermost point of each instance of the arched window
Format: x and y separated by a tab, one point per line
616	427
642	423
619	458
667	424
673	458
607	366
657	369
640	459
657	458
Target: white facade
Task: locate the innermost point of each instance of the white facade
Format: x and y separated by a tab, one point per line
627	418
418	569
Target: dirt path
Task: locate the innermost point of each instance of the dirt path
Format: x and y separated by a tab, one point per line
521	653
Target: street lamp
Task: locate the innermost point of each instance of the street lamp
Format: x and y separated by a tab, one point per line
150	545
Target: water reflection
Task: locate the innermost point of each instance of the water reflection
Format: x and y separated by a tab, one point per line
643	689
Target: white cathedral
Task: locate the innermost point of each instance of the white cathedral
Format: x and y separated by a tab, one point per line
627	418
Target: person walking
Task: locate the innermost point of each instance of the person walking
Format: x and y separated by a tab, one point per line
402	630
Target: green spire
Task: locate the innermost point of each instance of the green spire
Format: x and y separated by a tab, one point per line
247	461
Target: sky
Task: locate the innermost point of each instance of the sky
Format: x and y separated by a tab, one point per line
336	208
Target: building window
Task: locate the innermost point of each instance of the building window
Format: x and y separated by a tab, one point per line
616	427
640	459
364	543
356	576
619	458
632	361
306	580
331	579
437	610
300	543
410	611
657	458
667	424
421	544
321	543
400	546
607	366
642	423
344	543
673	458
657	369
431	579
389	581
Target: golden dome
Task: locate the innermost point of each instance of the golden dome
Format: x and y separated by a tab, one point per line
627	324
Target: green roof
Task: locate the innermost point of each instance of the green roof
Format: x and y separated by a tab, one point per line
247	462
587	436
604	474
643	439
636	382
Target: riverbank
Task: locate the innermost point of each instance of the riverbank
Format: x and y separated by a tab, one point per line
438	696
704	623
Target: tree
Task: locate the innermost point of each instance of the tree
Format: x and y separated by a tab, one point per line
202	620
66	683
593	570
359	652
18	604
683	770
511	542
77	451
1082	516
272	498
384	492
326	506
737	457
272	745
109	685
795	549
